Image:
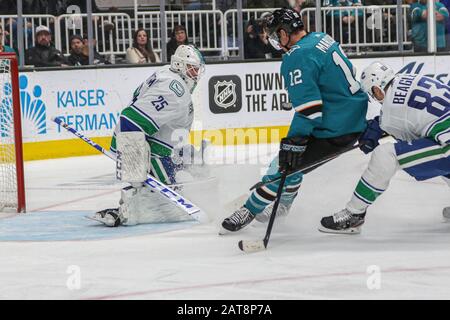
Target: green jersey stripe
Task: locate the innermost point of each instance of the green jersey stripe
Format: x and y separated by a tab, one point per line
423	155
365	192
439	128
160	149
158	170
135	117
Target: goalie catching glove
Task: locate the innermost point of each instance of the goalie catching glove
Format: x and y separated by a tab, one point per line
291	153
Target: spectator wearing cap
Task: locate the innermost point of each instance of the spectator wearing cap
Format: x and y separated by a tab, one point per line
44	54
79	53
177	38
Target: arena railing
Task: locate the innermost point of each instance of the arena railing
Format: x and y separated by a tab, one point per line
30	22
375	27
112	32
212	30
231	25
204	28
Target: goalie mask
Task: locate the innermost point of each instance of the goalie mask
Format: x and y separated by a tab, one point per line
376	75
189	63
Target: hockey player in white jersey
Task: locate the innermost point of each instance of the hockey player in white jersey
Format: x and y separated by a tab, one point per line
416	112
145	139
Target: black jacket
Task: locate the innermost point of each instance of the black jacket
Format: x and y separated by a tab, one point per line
254	48
41	56
82	60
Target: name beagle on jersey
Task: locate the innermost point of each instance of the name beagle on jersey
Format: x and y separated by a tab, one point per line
401	91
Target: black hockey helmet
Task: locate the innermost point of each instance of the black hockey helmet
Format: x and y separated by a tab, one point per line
286	19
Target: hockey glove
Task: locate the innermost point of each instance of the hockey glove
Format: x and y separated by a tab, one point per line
291	153
369	139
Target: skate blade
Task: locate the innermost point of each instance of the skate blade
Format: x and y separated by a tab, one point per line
223	231
93	218
356	230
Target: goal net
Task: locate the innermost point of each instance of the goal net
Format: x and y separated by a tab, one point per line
12	195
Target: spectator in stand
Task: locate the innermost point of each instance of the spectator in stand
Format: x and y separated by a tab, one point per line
263	4
177	38
348	22
446	3
256	44
419	16
79	53
4	48
94	45
141	51
308	19
44	54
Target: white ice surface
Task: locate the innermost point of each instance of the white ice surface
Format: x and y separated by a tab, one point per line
404	236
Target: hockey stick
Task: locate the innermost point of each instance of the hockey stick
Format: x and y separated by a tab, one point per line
151	182
258	245
308	168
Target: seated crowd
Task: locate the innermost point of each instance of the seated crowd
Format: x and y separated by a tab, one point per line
343	24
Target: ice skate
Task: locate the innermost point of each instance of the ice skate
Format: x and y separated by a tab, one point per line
238	220
342	222
446	214
109	217
282	211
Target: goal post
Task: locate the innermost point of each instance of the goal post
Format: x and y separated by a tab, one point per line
12	186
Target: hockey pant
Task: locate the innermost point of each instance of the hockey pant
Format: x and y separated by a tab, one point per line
316	150
422	159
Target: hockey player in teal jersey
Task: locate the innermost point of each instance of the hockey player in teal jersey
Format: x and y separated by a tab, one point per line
330	111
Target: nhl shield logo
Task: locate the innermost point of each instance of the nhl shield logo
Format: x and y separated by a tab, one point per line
225	94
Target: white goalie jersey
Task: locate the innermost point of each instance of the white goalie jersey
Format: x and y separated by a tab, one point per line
417	106
162	109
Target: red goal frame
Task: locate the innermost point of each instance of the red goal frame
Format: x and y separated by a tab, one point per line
17	130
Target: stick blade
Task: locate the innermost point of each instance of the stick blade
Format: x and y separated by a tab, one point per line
251	245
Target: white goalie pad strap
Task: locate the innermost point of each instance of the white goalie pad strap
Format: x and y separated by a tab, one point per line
133	157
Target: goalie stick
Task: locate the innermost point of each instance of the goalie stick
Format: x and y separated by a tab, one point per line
151	182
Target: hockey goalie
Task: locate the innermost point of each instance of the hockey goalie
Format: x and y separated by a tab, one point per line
147	140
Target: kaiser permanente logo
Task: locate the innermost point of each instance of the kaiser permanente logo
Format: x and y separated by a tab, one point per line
33	109
225	94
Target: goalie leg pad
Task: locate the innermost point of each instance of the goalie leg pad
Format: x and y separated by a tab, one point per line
133	157
143	205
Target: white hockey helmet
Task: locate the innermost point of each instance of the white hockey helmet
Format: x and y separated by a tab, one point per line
378	75
189	63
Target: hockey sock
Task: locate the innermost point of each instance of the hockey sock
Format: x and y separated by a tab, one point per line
375	180
262	197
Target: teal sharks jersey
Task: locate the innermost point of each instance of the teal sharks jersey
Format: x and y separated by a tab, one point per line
322	88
